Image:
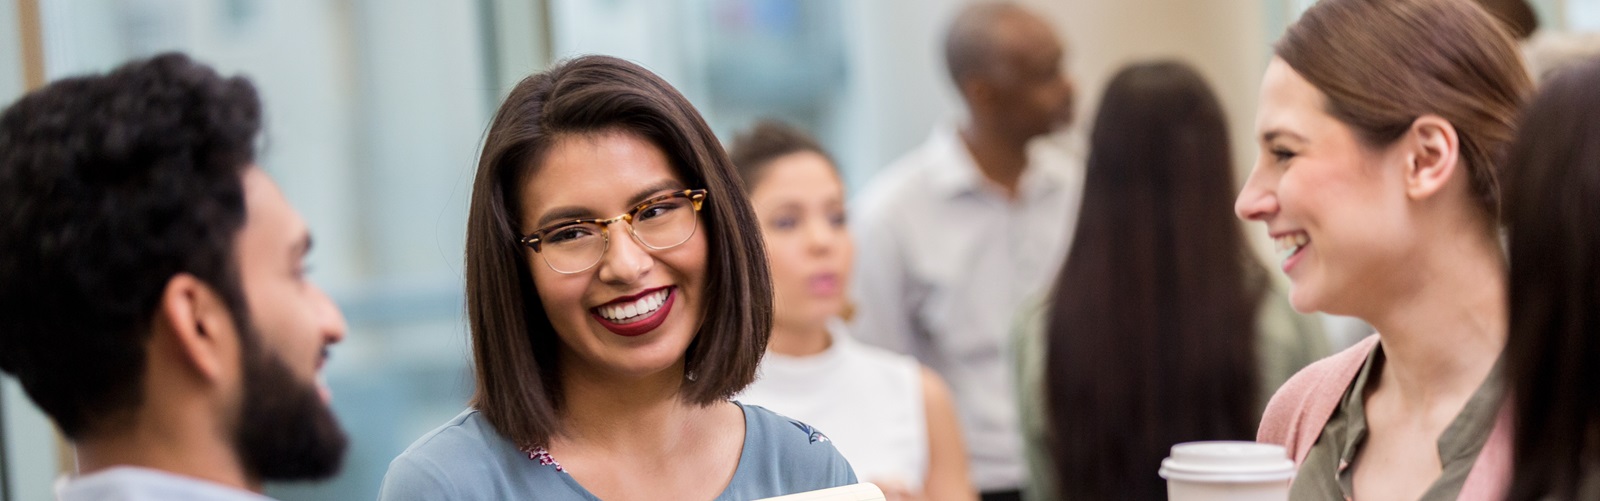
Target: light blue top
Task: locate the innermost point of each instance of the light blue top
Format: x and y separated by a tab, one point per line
467	459
131	483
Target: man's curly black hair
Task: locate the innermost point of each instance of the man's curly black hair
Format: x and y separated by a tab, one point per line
109	186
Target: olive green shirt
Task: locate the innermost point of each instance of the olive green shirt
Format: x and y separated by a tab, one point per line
1287	342
1327	473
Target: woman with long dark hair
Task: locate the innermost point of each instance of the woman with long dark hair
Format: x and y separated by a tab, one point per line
1553	353
618	297
1383	127
1162	326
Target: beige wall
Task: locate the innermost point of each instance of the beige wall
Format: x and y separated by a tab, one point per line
1225	39
900	89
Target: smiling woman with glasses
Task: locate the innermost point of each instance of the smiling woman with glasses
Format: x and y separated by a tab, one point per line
618	296
660	223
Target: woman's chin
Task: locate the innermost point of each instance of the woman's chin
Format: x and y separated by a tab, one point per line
831	309
646	368
643	356
1303	299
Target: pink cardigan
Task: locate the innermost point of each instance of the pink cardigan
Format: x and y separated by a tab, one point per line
1298	411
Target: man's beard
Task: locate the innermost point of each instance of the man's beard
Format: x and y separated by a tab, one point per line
284	429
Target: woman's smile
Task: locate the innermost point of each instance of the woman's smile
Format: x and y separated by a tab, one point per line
637	314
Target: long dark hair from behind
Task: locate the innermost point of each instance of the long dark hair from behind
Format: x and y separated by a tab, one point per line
1553	350
513	343
1151	324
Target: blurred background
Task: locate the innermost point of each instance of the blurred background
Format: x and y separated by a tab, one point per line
376	108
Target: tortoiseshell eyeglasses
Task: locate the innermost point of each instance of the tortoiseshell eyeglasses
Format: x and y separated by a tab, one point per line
575	245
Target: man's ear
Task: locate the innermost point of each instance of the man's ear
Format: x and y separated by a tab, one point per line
976	91
200	323
1433	157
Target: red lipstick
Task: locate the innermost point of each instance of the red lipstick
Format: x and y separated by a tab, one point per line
642	326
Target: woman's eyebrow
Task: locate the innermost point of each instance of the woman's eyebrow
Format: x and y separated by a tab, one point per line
1273	134
563	213
575	212
648	191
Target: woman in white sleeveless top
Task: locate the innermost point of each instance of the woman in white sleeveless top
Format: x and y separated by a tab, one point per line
890	417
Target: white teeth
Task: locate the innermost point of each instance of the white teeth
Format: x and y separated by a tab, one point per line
631	311
1290	244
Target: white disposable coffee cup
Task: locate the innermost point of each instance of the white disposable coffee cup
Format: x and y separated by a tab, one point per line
1234	471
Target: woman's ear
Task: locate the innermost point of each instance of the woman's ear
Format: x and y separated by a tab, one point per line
200	324
1434	156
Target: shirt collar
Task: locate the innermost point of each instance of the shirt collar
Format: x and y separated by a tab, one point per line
958	173
837	337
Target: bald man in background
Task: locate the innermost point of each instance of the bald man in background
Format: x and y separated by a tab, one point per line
958	233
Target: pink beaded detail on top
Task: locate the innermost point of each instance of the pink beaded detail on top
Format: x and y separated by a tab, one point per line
543	457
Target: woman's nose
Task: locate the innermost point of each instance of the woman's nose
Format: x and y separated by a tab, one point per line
625	259
1257	200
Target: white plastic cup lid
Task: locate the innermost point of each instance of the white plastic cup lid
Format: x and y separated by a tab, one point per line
1227	461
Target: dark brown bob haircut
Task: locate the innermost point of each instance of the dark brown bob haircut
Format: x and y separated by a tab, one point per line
1384	63
513	343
